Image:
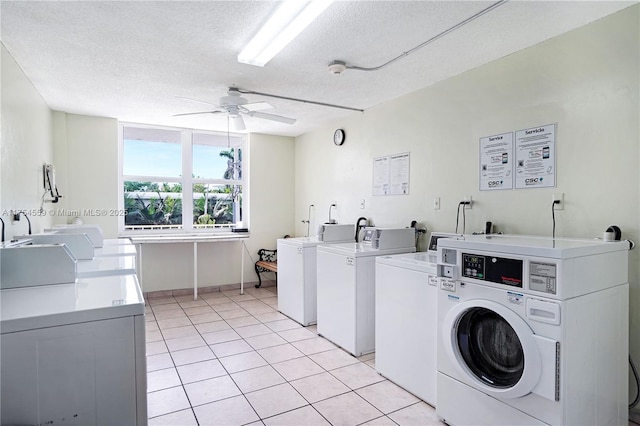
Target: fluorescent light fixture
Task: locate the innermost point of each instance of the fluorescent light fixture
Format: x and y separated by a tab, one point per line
291	17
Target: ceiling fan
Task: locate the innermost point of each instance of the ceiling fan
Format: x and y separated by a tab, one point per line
236	106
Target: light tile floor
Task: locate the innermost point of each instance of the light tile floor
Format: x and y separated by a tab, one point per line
231	359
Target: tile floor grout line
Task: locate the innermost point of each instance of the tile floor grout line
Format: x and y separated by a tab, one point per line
254	349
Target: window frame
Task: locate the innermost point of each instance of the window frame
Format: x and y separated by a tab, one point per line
186	180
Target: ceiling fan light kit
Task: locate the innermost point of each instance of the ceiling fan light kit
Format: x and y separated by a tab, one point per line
289	19
237	122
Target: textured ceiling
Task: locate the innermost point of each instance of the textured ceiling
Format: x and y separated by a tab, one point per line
133	59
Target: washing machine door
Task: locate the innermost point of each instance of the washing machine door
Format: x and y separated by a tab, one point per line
492	348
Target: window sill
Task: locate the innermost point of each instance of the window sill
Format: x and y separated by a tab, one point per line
185	237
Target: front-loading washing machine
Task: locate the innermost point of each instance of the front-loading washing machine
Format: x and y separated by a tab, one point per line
346	286
532	331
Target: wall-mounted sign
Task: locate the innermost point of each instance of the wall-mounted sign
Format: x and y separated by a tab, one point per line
391	174
496	162
535	150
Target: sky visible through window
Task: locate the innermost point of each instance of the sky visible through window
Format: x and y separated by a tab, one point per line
147	158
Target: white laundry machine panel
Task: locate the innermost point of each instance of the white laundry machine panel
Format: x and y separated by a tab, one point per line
405	322
346	294
514	349
74	353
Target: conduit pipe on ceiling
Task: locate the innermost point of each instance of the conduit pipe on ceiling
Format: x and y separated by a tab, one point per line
338	67
287	98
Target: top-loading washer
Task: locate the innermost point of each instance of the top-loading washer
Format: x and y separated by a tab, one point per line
346	286
532	330
405	325
72	350
119	260
297	286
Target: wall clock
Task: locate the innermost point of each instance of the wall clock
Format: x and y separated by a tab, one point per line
338	137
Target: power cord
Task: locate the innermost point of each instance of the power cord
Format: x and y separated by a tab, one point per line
553	216
27	217
635	375
464	220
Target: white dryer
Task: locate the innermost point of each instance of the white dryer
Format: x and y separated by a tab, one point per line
346	286
532	331
297	287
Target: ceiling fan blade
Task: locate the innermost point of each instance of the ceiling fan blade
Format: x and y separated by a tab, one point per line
272	117
196	100
257	106
195	113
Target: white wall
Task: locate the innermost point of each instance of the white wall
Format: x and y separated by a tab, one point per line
25	145
586	81
86	155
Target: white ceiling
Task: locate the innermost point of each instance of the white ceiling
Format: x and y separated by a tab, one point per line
131	59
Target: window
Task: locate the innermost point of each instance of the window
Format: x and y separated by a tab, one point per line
180	180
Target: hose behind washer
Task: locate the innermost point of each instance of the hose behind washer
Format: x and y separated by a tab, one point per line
635	375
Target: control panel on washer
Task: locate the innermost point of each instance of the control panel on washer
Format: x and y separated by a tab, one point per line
513	272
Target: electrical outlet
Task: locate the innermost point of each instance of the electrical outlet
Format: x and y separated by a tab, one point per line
470	200
362	203
436	203
558	197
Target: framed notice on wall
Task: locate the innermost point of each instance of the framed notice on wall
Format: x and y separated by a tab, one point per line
496	162
391	174
535	151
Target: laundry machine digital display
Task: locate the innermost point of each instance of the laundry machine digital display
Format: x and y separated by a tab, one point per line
500	270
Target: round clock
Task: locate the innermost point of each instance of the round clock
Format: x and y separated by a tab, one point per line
338	137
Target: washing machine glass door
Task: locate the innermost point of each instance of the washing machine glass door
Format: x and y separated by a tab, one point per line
492	347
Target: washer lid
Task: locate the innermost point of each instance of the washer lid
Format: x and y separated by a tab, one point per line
362	250
308	241
116	250
104	266
90	299
415	261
